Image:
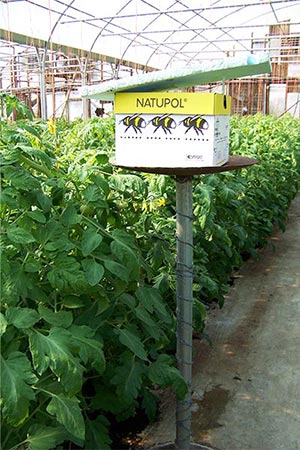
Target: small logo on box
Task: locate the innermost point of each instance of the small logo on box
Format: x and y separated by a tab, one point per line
194	157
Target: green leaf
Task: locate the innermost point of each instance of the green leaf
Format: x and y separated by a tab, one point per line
143	315
90	350
149	403
126	256
32	266
133	342
163	373
66	275
8	197
102	183
151	299
18	282
123	247
106	400
158	254
33	158
18	235
103	303
117	269
16	392
68	413
128	182
158	184
128	300
22	317
37	215
144	296
128	378
31	130
93	271
73	301
44	201
97	434
55	351
3	324
21	179
61	245
58	319
41	437
69	216
200	308
92	193
90	241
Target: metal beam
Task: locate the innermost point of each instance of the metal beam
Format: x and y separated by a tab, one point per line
31	41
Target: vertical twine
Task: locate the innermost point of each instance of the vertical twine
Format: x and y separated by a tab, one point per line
184	295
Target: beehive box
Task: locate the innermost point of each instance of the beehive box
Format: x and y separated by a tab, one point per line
174	129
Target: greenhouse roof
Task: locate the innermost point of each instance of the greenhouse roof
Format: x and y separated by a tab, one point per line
160	34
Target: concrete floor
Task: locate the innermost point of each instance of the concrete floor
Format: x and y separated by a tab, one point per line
246	384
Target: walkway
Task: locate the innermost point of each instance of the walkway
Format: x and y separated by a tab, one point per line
247	382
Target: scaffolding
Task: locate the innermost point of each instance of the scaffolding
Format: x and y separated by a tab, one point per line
47	76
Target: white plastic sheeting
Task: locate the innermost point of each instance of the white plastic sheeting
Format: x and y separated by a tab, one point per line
160	33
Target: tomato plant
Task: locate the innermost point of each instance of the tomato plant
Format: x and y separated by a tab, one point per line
78	312
88	264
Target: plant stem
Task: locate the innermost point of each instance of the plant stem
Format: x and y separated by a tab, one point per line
36	166
7	437
18	445
96	225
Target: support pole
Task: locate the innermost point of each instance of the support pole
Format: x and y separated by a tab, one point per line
184	286
184	296
84	80
43	93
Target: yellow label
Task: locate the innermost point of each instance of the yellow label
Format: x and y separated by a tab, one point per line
172	103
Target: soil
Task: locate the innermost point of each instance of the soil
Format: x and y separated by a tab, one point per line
246	382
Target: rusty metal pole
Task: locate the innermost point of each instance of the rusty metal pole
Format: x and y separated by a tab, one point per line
184	296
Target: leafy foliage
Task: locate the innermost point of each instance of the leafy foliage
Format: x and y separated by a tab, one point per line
76	295
87	255
15	106
16	391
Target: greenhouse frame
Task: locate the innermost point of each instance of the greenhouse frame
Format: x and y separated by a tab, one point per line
62	46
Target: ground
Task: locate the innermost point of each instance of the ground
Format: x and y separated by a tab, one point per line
246	381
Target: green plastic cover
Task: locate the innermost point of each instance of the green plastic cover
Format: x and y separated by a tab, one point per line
174	79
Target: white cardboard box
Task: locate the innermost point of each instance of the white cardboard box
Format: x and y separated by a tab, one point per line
174	129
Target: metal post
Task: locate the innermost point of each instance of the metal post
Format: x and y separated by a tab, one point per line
184	295
43	94
84	80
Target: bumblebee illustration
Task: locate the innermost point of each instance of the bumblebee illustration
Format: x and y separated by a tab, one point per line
164	122
196	123
136	122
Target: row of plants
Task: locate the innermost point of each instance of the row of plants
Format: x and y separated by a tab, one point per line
87	264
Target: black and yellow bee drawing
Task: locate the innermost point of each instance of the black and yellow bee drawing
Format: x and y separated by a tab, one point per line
196	123
165	122
136	122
